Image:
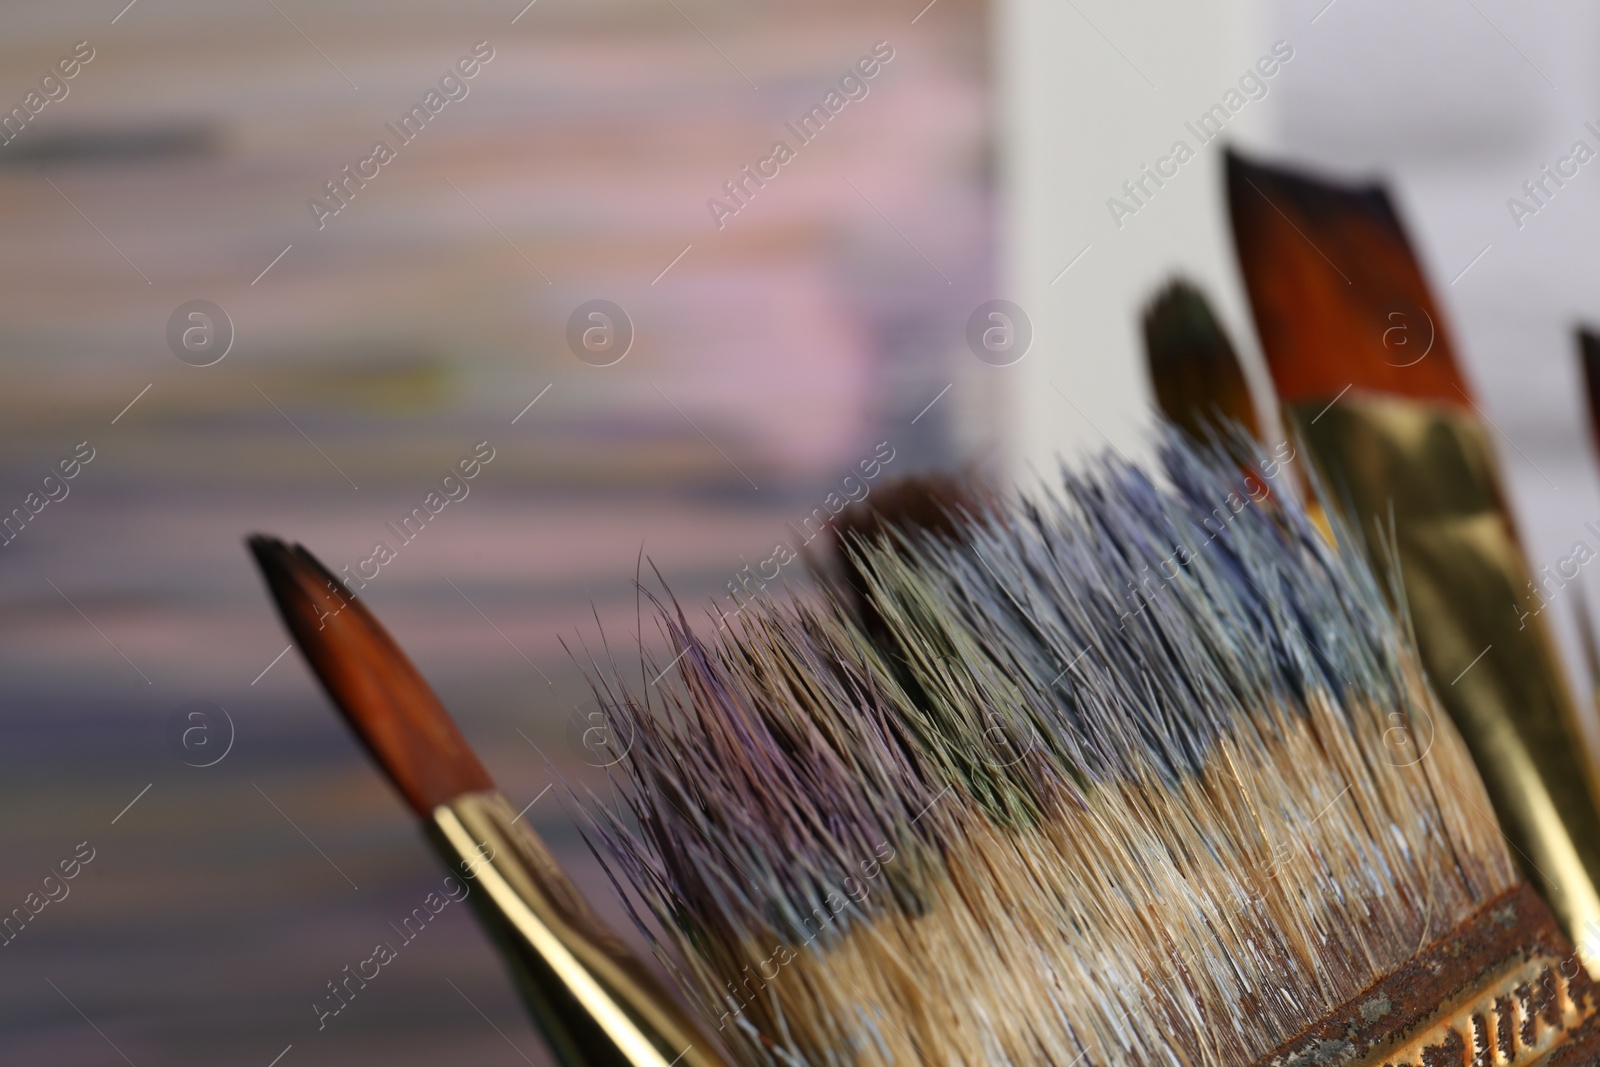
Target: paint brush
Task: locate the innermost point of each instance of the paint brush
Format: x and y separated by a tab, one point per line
1195	372
596	1004
1366	375
1116	777
1102	777
1589	359
1200	385
1589	645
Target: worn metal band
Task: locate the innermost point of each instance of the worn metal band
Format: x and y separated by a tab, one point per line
1504	989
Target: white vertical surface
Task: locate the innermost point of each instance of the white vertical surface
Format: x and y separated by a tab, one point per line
1092	91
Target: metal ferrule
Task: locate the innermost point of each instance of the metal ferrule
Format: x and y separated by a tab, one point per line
595	1001
1500	990
1429	468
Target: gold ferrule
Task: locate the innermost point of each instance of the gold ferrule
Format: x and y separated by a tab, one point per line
596	1003
1429	468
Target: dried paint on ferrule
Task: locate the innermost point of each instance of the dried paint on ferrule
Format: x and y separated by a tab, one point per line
1503	989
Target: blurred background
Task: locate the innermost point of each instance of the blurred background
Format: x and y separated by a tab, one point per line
755	345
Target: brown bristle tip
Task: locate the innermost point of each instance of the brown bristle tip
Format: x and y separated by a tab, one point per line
1589	356
936	502
372	683
1195	371
1340	298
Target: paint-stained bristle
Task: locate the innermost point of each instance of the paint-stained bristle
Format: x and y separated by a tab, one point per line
1196	375
936	504
1172	787
370	680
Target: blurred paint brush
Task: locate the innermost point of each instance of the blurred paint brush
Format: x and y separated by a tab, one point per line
1200	385
1195	372
1589	358
1589	645
596	1004
1365	372
1589	361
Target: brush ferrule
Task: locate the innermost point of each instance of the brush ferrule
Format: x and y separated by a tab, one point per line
1424	473
1503	989
595	1002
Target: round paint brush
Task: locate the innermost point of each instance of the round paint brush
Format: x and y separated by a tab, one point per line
1195	373
596	1003
1200	385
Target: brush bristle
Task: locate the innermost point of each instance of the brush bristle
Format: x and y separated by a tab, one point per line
1194	371
381	695
1172	786
1340	300
934	504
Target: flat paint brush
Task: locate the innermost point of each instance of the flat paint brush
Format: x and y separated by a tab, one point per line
1102	778
1366	374
1339	298
596	1004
